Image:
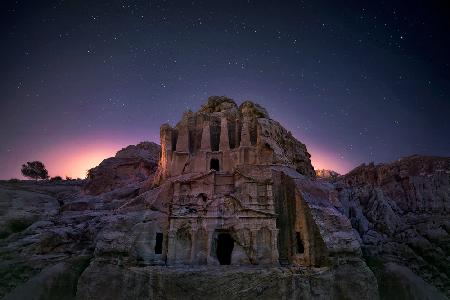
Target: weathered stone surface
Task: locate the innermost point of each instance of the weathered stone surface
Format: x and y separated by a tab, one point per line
401	212
131	165
287	150
22	205
222	136
58	281
228	203
41	251
218	104
327	174
399	282
224	283
293	236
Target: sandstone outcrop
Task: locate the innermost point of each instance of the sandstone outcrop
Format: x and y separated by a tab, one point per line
221	132
131	165
233	187
242	192
327	174
233	210
401	212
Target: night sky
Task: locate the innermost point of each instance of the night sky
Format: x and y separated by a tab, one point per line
355	81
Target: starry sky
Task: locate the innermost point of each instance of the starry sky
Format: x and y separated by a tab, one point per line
356	81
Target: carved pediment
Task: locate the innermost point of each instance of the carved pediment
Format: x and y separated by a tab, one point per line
226	206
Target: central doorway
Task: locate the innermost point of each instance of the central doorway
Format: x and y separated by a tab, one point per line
225	245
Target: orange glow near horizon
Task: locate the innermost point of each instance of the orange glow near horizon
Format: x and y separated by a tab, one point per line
76	165
75	158
76	162
328	161
325	159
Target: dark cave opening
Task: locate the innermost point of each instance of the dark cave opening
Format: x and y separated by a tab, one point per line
225	245
158	244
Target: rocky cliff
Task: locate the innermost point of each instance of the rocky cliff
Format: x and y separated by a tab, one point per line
380	231
101	247
58	242
401	212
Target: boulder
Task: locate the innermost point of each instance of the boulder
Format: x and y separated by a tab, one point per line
131	165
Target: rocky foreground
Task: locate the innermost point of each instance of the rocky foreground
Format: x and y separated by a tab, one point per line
88	239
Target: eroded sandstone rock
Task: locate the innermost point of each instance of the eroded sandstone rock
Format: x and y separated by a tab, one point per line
222	136
241	193
401	212
131	165
327	174
235	212
233	188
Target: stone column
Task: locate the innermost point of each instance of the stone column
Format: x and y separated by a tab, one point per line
171	255
176	193
275	246
193	242
245	133
237	136
206	137
183	139
165	134
224	139
270	197
254	244
210	257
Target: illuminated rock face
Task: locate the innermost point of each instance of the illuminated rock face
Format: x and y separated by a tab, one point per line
232	187
231	174
223	136
129	166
